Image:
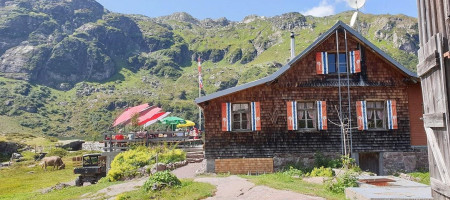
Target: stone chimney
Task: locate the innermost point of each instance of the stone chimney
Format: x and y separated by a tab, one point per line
292	45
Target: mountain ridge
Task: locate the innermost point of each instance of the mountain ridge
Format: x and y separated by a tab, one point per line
67	67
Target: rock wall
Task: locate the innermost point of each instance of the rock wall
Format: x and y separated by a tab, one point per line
303	159
93	146
393	162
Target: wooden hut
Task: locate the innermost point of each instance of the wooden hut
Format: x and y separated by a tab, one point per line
289	116
434	29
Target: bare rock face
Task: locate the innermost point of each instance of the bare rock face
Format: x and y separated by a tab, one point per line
15	61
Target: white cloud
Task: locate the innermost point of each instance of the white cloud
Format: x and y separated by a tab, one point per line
323	9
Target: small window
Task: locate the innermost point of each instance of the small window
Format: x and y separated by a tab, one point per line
376	115
241	116
306	112
332	63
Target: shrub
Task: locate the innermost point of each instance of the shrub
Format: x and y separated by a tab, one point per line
160	180
321	172
348	179
321	160
125	164
171	156
293	172
57	152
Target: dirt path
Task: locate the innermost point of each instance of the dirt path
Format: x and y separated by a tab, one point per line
188	171
234	187
112	191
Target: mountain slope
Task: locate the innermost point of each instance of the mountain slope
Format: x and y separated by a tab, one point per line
69	66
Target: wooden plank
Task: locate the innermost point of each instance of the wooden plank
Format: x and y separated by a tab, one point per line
434	120
440	187
430	63
423	23
437	155
433	14
441	17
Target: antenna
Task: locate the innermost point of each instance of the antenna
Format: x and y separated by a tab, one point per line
356	4
353	20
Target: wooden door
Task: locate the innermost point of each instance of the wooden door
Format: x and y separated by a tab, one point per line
433	70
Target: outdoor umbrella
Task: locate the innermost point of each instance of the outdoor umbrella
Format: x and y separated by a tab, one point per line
173	121
146	114
153	119
187	124
129	112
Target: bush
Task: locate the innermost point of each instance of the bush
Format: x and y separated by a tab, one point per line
57	152
171	156
321	160
293	172
126	164
160	180
321	172
348	179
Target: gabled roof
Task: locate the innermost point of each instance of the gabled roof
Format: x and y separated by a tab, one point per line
286	67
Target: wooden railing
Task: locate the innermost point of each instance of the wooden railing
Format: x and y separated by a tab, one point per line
152	137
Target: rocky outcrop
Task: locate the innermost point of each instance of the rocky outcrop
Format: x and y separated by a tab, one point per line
289	21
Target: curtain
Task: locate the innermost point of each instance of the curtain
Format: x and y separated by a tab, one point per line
369	114
301	114
380	114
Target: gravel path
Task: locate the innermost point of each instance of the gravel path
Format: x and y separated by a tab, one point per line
188	171
112	191
234	187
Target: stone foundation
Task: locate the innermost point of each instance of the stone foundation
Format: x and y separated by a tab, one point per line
303	159
415	160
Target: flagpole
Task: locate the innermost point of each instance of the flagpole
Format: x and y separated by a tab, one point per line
199	93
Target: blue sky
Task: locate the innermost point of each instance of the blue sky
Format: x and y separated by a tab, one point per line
236	10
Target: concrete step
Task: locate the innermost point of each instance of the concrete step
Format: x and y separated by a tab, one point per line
196	160
195	149
195	156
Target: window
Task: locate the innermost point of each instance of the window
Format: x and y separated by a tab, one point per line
306	112
333	66
241	116
376	115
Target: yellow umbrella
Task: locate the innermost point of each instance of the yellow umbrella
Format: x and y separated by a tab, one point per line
187	124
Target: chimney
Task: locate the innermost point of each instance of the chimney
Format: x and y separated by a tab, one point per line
292	45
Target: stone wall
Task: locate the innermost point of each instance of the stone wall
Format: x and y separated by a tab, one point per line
393	162
305	159
93	146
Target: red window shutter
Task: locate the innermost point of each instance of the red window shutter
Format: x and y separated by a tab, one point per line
290	115
256	116
357	61
322	115
361	114
392	114
226	116
321	63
